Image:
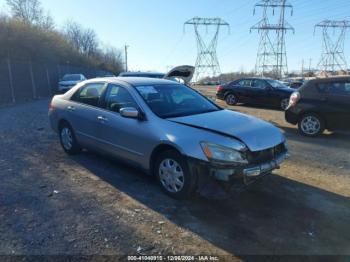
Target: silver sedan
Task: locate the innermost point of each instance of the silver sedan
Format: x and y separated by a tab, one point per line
169	130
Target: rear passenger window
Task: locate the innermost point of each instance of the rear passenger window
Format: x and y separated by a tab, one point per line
338	88
245	82
341	88
89	94
324	87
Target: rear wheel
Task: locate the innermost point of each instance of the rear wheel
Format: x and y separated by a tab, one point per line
68	140
173	175
231	99
311	125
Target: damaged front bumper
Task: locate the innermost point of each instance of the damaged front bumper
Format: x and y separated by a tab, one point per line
213	177
251	173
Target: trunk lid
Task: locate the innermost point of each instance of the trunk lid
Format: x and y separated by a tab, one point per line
184	72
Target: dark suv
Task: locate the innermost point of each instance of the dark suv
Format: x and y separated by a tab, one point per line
258	91
321	104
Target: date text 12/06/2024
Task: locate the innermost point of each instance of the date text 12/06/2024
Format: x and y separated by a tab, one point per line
173	258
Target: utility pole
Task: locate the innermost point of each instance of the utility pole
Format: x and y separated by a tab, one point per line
126	57
272	54
302	68
207	64
310	62
333	57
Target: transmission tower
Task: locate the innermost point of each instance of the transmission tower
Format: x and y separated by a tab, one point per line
207	64
272	54
333	57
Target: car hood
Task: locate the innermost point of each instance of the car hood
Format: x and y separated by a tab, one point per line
68	82
255	133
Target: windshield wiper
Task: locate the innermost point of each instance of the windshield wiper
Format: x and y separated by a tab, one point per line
190	114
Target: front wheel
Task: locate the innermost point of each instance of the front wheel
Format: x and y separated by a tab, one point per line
311	125
174	176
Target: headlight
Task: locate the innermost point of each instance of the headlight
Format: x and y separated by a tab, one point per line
221	153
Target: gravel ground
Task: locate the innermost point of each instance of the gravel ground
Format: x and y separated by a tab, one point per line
53	204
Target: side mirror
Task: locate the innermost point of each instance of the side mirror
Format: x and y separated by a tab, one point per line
129	112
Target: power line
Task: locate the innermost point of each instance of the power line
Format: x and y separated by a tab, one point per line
207	63
272	54
333	58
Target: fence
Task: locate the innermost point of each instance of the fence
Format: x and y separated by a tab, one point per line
25	80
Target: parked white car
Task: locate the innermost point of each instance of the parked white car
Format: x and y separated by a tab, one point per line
68	81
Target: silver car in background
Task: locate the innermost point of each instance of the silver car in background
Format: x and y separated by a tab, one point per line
68	81
169	130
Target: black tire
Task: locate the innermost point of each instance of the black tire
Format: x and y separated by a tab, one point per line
74	147
189	180
231	99
316	128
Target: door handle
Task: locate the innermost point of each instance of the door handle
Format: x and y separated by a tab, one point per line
71	108
102	119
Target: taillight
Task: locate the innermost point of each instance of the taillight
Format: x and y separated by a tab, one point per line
294	99
219	88
51	106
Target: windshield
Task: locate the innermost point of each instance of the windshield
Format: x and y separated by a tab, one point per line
71	78
276	84
175	100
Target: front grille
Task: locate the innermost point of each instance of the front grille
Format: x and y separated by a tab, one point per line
266	155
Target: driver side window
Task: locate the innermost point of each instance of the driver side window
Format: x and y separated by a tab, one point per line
118	97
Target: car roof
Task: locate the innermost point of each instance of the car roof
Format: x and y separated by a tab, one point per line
254	78
330	79
141	74
134	81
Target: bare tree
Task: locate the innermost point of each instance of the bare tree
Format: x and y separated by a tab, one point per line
72	32
112	58
47	22
89	42
84	40
31	12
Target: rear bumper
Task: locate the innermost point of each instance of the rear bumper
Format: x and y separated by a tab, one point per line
53	119
220	96
292	116
213	179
